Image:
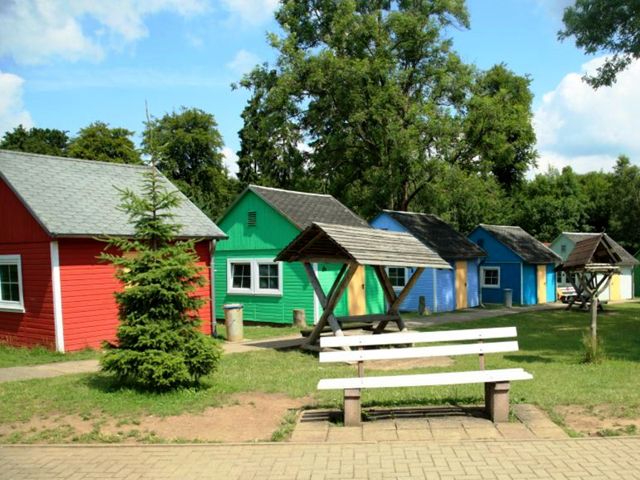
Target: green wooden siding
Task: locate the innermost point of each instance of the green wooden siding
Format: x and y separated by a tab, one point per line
296	291
375	297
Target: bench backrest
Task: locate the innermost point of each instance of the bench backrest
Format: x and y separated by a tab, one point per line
412	338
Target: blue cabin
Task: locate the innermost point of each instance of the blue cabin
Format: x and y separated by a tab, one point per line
517	261
443	290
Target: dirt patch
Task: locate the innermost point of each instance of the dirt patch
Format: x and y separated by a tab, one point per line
250	417
600	420
409	363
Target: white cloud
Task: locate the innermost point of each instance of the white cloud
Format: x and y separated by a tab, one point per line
243	62
37	31
230	160
251	12
585	128
12	111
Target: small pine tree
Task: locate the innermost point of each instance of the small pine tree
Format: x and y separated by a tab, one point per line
159	344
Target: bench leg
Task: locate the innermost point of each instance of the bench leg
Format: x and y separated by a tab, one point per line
496	399
352	408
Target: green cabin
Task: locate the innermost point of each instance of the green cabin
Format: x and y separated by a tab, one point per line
260	223
636	276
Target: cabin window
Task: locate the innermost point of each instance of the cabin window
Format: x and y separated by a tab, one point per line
563	248
398	276
268	277
11	297
254	277
491	277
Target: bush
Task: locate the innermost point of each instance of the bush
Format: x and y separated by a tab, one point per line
159	343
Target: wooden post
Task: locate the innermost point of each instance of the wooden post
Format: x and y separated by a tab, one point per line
299	318
352	408
594	321
497	401
422	305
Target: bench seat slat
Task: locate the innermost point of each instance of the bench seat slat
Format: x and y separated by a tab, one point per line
424	380
418	352
417	337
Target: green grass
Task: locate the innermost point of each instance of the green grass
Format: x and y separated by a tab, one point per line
260	332
23	356
550	348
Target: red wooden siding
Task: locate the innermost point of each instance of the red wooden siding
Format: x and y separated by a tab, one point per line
89	311
21	235
18	225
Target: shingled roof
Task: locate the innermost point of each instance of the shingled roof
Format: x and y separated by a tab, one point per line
363	245
72	197
302	209
592	250
626	259
522	244
438	235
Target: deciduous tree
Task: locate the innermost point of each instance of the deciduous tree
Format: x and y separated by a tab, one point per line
47	141
98	141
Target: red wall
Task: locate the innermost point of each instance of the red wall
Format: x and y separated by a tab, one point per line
89	311
21	235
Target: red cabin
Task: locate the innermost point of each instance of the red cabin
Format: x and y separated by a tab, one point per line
53	211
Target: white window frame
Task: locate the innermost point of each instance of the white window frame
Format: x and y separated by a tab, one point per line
11	306
406	277
482	274
254	265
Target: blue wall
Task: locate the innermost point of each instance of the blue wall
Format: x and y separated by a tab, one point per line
551	283
445	279
530	284
473	283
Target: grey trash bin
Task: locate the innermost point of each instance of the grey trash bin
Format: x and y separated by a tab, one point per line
233	321
508	297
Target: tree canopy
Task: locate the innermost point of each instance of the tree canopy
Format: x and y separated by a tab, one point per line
609	26
189	152
365	97
46	141
98	141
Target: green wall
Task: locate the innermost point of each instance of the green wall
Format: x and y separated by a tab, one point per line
265	240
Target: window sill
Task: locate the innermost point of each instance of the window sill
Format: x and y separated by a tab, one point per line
255	294
12	309
494	287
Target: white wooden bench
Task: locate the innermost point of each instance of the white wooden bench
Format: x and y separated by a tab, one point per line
497	382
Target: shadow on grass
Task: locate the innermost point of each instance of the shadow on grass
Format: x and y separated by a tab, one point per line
107	383
528	359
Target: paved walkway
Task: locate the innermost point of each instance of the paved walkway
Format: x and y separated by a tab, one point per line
602	458
427	423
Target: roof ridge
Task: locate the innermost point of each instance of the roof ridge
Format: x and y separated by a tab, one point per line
74	159
291	191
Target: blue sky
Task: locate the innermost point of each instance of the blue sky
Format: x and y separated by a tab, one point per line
64	64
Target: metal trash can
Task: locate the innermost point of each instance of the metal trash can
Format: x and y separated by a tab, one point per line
508	297
233	321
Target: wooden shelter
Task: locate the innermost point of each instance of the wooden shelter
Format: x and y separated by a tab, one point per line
354	247
589	268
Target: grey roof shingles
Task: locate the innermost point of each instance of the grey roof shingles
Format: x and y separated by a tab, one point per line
73	197
626	258
302	208
522	244
438	235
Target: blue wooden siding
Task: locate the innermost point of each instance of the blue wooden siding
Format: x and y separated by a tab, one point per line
530	284
473	283
443	298
496	251
445	290
509	278
551	283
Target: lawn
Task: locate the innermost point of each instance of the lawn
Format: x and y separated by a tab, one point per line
550	348
21	356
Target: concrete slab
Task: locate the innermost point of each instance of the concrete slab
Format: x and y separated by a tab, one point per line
344	434
48	370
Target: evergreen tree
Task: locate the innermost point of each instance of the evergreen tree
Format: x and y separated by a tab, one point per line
159	345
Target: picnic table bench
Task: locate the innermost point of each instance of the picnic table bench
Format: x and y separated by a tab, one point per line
497	382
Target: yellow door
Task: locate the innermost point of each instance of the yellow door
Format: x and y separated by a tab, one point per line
357	303
614	288
542	284
461	284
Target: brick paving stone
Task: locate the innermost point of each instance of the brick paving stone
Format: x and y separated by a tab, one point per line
561	459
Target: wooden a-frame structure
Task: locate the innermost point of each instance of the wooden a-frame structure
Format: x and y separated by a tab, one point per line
354	247
590	267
